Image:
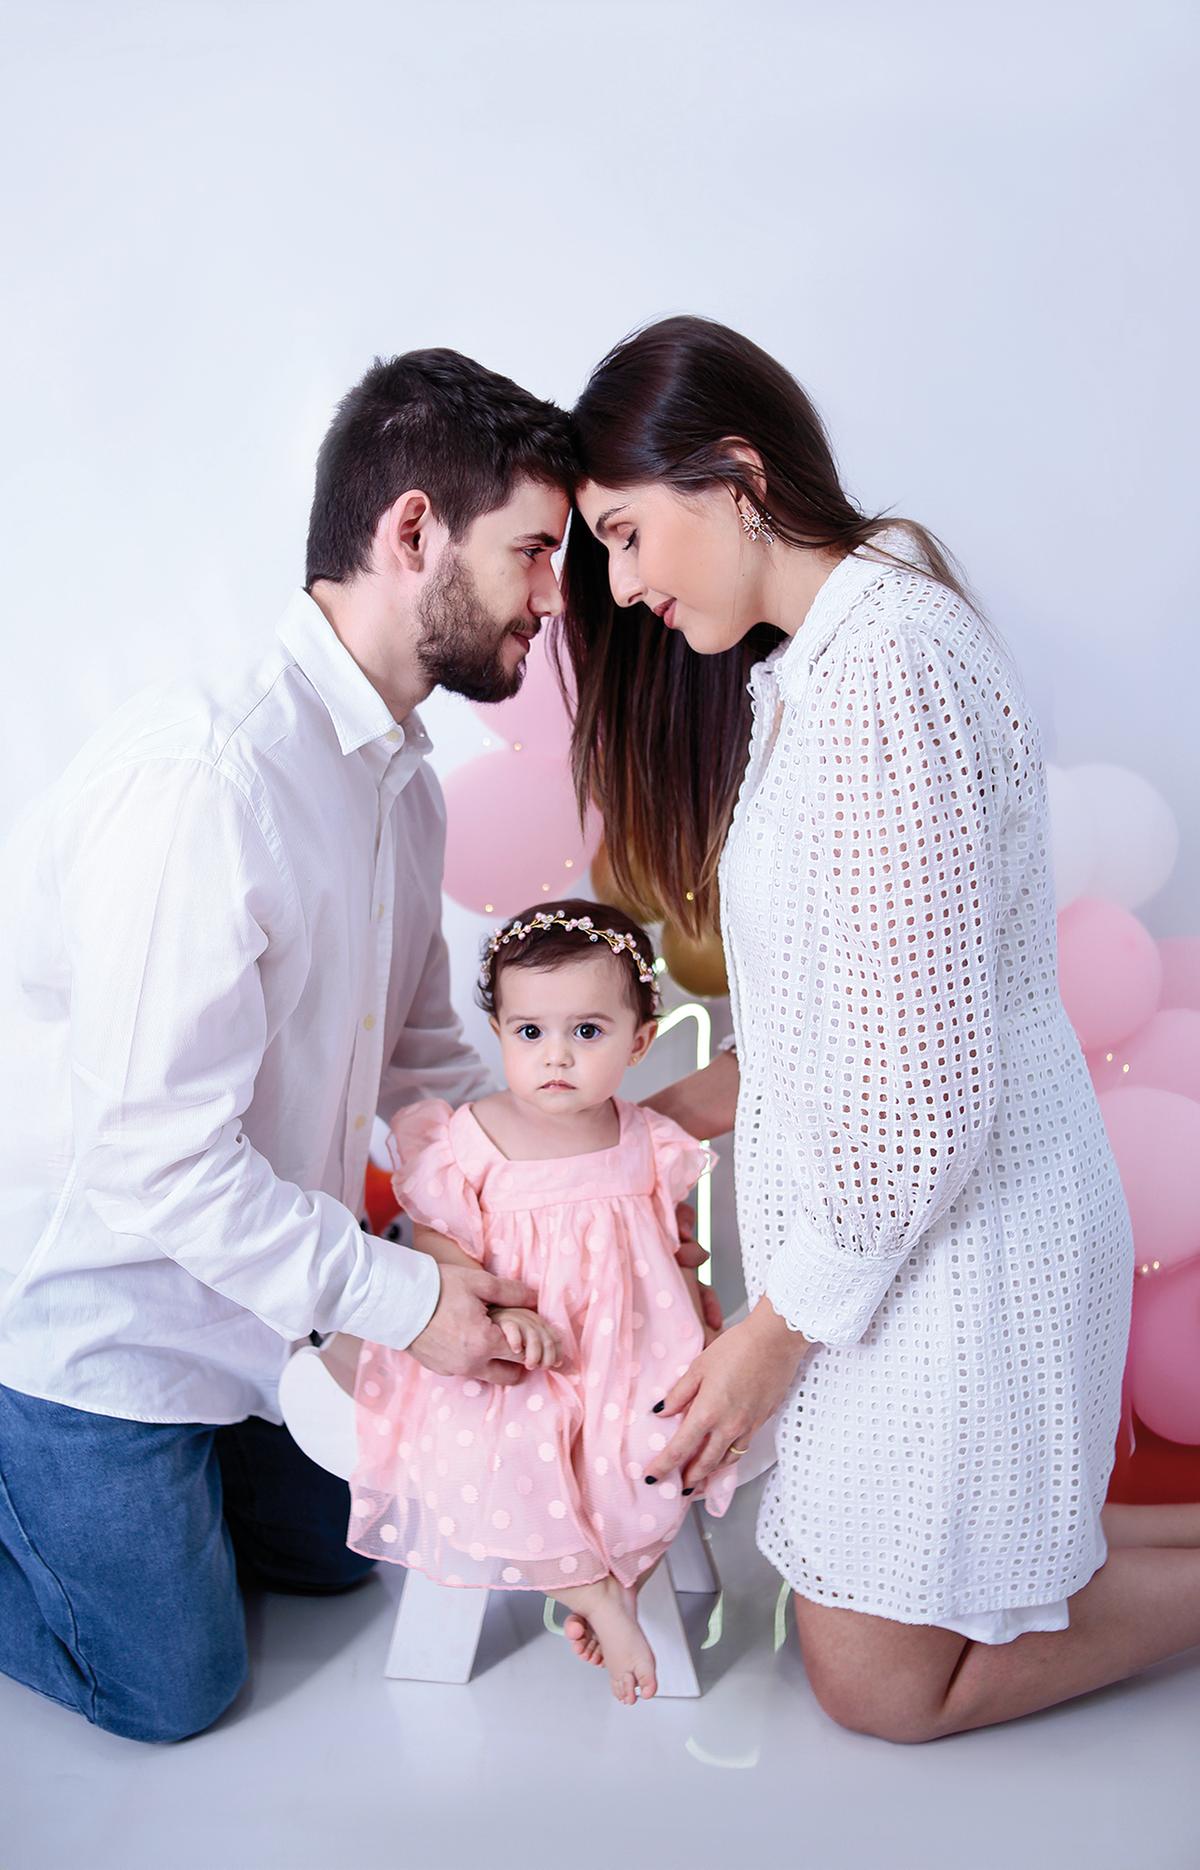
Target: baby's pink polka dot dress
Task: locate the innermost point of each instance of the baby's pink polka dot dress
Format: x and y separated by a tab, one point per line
538	1485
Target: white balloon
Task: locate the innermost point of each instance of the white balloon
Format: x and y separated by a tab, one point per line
1135	831
1072	835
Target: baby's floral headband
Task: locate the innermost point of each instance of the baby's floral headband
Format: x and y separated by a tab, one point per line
619	940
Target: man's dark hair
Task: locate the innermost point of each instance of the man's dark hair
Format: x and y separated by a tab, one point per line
437	421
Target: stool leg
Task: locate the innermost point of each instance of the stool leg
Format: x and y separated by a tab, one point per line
659	1616
689	1558
436	1632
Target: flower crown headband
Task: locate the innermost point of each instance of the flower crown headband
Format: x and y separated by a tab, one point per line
619	940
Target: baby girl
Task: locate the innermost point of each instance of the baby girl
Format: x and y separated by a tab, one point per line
538	1485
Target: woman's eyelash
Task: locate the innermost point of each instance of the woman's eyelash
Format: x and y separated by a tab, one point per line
632	540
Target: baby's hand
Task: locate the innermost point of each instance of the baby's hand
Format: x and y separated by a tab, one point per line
534	1341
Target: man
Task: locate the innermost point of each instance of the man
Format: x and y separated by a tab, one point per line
227	958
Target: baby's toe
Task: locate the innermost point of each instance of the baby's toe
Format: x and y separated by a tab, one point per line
647	1683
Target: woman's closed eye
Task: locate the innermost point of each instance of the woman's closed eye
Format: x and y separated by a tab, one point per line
631	541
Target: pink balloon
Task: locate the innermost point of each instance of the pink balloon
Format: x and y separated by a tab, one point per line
1164	1368
1163	1056
513	834
1181	970
1109	972
1155	1137
536	717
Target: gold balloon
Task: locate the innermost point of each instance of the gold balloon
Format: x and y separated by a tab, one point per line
605	890
698	966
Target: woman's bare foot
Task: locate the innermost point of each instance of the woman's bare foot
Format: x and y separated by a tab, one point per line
607	1632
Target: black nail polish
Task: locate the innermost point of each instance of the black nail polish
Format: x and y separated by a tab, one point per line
657	1410
689	1490
650	1480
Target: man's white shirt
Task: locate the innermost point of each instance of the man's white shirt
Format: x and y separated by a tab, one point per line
221	954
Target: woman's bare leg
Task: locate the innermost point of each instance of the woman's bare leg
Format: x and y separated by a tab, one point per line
1126	1524
910	1683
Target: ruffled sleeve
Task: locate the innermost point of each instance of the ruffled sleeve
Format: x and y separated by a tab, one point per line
427	1177
679	1159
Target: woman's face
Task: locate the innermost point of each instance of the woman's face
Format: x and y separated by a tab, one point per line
688	558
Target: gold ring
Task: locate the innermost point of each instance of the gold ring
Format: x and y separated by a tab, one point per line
734	1450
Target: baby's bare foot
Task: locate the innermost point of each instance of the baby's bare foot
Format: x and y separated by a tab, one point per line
582	1638
610	1634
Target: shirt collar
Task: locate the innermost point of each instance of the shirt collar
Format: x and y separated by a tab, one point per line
788	664
358	711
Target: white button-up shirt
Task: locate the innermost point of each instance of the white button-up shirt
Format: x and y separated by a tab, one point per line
221	955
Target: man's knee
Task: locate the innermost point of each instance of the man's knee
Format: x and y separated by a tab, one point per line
170	1707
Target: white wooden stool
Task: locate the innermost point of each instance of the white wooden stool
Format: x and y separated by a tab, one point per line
438	1626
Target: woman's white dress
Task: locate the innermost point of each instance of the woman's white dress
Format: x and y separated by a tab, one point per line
924	1183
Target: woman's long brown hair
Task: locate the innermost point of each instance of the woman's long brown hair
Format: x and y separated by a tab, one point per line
661	734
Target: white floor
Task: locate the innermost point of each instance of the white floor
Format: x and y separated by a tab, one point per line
323	1761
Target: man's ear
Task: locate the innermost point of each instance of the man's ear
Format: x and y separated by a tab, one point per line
402	537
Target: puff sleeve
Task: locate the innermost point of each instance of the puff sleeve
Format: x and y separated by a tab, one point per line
427	1178
679	1159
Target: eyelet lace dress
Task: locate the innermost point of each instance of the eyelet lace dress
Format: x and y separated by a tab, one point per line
924	1183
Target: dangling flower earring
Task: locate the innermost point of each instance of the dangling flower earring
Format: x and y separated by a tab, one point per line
755	526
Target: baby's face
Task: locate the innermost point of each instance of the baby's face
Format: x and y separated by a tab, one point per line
568	1034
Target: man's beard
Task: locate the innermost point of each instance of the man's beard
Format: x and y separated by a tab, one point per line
460	646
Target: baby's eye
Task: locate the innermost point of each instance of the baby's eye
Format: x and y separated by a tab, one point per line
529	1032
587	1030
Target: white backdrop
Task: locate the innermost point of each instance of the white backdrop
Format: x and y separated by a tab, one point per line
965	229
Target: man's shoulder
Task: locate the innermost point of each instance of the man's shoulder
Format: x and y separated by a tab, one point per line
235	719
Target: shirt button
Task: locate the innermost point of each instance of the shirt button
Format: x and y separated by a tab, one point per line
382	906
359	1122
369	1022
393	736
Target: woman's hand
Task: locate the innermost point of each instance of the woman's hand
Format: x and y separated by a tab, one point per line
733	1387
532	1341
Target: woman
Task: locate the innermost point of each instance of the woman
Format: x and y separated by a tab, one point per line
937	1251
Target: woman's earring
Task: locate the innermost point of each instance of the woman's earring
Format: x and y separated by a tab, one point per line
755	526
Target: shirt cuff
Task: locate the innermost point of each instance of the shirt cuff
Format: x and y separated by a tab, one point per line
729	1044
829	1294
402	1296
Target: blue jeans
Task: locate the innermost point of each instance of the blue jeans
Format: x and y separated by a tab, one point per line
123	1548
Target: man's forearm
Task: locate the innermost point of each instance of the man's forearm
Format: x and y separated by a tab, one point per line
705	1103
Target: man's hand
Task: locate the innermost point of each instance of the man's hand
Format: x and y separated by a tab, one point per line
462	1339
690	1253
529	1337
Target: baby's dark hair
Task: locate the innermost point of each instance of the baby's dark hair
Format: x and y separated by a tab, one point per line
550	944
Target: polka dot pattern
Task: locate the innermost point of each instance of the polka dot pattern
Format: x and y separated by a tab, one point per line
529	1486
